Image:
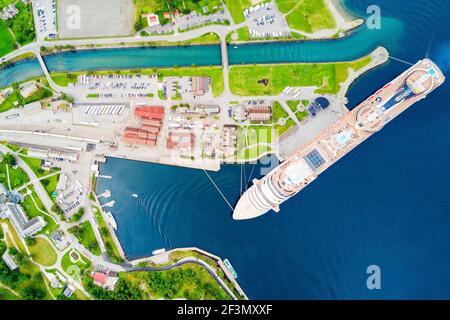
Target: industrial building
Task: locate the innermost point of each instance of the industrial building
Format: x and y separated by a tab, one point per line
151	123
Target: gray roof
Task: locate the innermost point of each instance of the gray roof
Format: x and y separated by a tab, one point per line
9	261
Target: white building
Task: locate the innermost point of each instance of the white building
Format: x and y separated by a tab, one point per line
9	261
28	89
9	12
19	219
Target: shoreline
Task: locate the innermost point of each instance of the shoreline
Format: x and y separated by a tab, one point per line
343	11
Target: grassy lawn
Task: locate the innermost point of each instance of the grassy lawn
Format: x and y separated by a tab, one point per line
43	253
9	101
242	35
236	8
85	234
82	263
302	115
17	176
215	73
64	79
280	130
279	112
50	184
307	15
293	104
8	104
327	77
35	165
111	248
33	211
7	43
22	24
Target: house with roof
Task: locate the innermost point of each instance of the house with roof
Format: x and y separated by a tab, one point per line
9	12
105	279
27	89
68	290
152	19
9	261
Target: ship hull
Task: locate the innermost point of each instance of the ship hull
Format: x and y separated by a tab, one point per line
339	139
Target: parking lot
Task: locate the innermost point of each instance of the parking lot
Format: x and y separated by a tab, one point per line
194	20
44	12
99	114
99	18
181	87
117	86
266	21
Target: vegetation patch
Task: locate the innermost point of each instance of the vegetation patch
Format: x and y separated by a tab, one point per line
42	252
307	15
68	262
237	7
188	281
7	43
327	77
85	234
110	245
28	282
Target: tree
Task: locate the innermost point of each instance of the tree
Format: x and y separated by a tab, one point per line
30	241
9	159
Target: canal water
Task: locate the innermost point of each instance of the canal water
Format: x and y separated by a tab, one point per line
387	203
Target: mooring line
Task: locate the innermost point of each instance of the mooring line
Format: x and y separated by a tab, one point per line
400	60
250	176
231	207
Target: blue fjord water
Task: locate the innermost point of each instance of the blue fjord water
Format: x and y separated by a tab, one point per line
386	203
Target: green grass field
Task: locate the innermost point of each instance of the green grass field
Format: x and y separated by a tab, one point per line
236	8
307	15
17	176
43	253
7	43
85	234
327	77
22	24
9	101
279	112
82	263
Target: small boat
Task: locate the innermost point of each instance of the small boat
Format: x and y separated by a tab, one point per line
111	220
159	251
134	195
235	47
230	268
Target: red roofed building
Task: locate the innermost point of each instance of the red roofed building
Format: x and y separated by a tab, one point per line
147	134
156	113
181	141
99	278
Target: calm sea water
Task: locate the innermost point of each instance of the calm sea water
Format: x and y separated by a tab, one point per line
387	203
